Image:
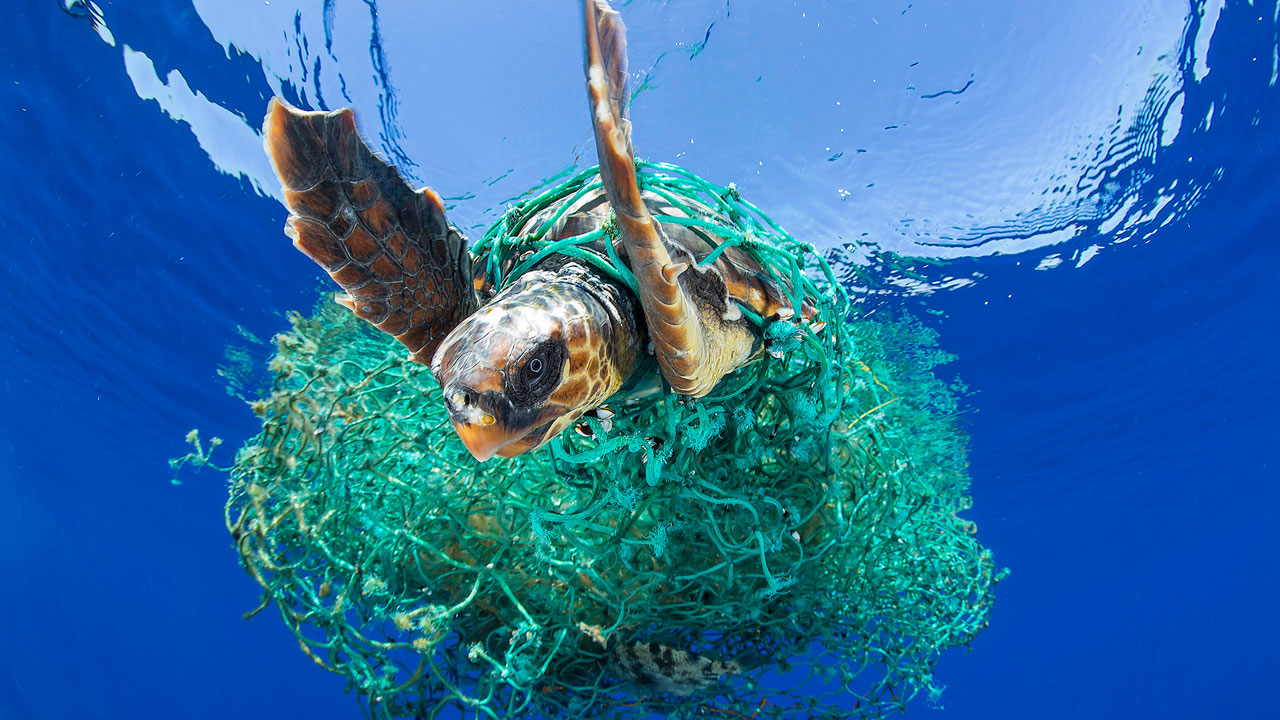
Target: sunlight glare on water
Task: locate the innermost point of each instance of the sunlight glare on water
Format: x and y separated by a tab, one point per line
929	131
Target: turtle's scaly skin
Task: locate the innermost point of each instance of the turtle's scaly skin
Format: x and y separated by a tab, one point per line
698	335
580	327
562	338
404	268
407	271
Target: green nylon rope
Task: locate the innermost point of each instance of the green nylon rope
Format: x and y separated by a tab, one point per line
802	516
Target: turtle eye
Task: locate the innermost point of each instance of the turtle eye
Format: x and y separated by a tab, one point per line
536	377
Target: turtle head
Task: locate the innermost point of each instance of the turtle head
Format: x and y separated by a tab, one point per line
525	367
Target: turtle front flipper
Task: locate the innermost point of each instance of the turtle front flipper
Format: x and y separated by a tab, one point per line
404	268
698	337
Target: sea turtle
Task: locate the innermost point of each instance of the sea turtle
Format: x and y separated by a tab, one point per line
563	337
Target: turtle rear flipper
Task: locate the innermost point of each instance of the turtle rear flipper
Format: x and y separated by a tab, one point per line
696	339
390	248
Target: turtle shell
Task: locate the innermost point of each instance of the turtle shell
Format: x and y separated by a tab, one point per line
740	278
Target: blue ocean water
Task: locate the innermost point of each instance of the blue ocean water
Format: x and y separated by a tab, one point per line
1092	191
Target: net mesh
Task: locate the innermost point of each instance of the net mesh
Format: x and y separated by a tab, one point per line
787	546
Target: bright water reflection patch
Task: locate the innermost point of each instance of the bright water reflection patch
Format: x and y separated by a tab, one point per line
1113	190
234	147
923	132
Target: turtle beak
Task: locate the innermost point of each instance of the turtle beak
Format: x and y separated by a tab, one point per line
488	426
483	433
485	441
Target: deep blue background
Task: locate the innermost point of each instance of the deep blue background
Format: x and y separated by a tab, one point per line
1124	437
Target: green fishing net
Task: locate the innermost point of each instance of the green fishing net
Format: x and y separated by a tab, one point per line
788	546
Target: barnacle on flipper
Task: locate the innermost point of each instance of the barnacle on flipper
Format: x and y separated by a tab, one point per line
803	514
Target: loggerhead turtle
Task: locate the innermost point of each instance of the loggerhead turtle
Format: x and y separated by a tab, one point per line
562	338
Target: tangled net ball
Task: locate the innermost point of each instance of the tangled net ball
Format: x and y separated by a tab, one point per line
787	546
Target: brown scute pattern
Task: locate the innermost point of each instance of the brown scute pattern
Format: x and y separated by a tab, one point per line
745	280
362	246
318	243
321	205
372	291
606	59
396	245
391	248
352	278
363	194
385	269
341	225
411	261
380	218
396	323
612	37
696	341
374	311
